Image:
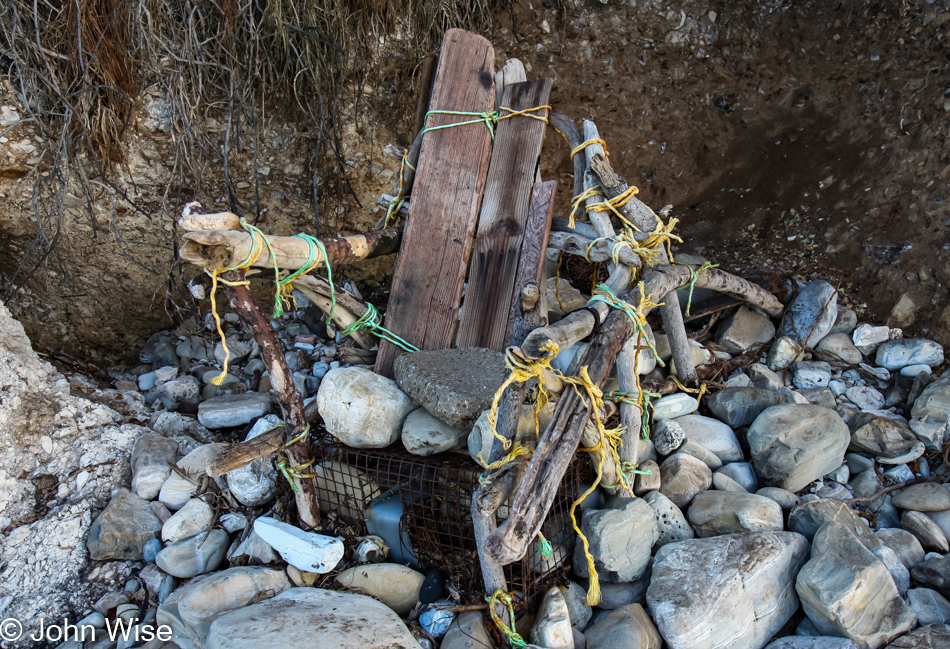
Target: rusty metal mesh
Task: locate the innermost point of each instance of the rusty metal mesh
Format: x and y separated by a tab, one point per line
436	494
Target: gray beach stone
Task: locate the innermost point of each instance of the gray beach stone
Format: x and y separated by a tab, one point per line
740	406
897	354
713	513
924	497
792	445
627	626
233	409
199	554
714	435
929	534
123	528
150	457
672	525
682	477
904	543
423	434
620	541
812	314
753	576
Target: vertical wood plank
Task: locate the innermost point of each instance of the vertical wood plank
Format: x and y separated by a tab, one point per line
450	178
531	262
501	224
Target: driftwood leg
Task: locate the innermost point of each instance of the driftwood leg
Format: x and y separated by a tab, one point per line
644	218
291	405
495	488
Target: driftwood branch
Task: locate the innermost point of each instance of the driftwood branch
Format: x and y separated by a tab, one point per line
596	250
230	248
282	381
578	325
239	455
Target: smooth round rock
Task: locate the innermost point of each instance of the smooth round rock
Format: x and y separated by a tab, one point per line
786	499
197	555
924	497
929	534
394	585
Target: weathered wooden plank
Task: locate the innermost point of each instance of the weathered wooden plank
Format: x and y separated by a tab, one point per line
531	264
450	177
501	224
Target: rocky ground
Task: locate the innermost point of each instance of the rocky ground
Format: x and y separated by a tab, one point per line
801	504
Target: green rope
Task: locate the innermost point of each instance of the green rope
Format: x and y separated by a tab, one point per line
603	293
368	322
631	468
399	200
545	547
295	472
693	274
645	428
489	119
500	596
284	285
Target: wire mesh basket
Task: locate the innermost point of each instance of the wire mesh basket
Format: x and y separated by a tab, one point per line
434	495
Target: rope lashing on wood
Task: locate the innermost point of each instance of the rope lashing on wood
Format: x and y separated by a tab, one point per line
259	243
635	313
693	275
401	194
505	599
519	450
370	321
489	118
283	287
583	145
317	255
521	370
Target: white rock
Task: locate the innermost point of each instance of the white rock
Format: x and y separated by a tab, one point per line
177	491
713	434
305	550
552	627
233	409
867	337
914	370
194	518
783	353
361	408
202	601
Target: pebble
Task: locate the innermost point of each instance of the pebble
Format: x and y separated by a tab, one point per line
904	543
811	374
865	398
930	606
786	499
742	473
195	517
924	497
552	627
713	513
394	585
682	477
345	621
838	348
929	534
233	410
255	485
812	313
361	408
898	354
306	550
123	528
793	445
899	473
195	556
740	406
713	435
914	370
151	550
783	353
667	436
867	337
672	525
673	406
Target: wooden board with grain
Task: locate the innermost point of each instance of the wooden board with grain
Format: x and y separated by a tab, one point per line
531	264
450	178
501	223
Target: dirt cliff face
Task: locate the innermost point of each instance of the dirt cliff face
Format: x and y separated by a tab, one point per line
789	137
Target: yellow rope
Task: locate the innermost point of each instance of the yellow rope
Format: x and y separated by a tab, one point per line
519	450
521	370
699	392
503	598
511	112
590	192
583	145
